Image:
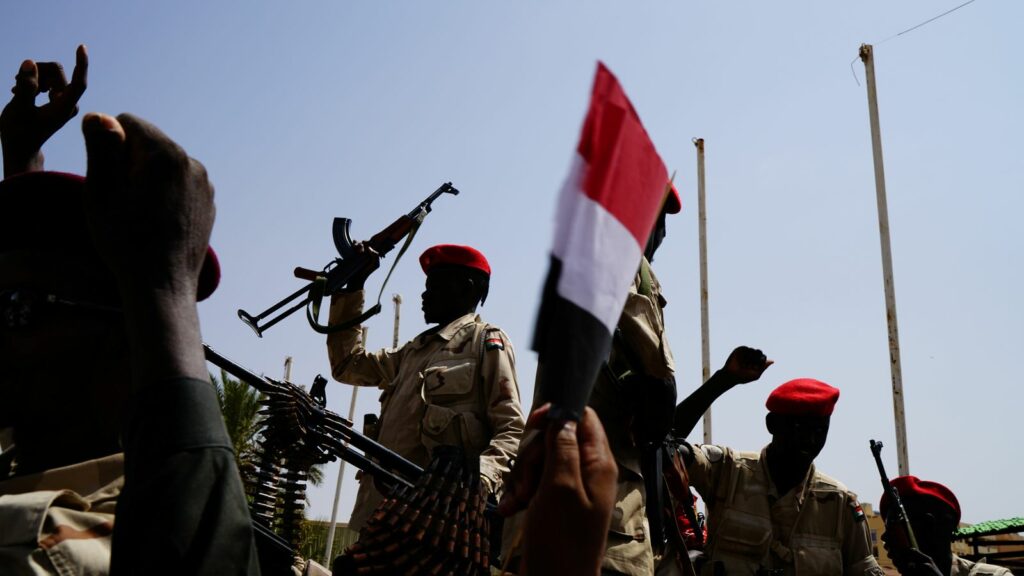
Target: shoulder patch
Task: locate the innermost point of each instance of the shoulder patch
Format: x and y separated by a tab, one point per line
493	343
712	453
858	512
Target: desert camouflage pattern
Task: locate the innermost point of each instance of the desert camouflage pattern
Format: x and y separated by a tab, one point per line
60	521
816	529
963	567
642	324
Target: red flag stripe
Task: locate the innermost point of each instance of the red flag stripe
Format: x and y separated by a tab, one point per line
624	172
599	255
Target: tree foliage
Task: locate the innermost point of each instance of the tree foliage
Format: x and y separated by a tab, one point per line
240	405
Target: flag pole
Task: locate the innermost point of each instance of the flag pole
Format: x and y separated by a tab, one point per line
705	343
341	472
867	56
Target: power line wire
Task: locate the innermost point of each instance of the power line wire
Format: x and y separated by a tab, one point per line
912	28
928	21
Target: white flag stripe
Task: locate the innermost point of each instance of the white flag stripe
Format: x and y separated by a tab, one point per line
599	255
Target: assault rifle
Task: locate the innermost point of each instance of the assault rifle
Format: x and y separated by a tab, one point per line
339	271
897	524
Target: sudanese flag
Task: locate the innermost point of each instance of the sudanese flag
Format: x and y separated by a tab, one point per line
606	210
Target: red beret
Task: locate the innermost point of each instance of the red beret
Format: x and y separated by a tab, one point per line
803	397
910	487
673	204
455	255
46	211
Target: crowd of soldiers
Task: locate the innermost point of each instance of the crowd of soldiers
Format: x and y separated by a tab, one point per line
120	460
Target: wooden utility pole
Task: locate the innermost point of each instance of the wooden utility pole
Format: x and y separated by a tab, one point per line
287	368
702	220
867	55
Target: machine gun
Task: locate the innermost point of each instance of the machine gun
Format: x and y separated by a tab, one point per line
896	521
339	271
297	432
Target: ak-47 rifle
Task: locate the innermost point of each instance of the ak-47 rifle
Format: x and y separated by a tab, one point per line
339	271
897	524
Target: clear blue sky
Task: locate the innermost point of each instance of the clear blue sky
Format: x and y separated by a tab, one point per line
307	111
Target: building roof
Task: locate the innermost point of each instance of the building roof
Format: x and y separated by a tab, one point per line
990	528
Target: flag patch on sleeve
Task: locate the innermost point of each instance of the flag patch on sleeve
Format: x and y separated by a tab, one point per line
858	512
494	343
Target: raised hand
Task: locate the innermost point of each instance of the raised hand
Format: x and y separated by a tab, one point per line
150	211
150	205
25	127
745	365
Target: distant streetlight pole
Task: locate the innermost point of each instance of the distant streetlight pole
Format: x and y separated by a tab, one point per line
705	339
397	299
341	471
867	56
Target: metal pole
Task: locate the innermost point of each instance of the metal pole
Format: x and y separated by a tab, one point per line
287	368
705	342
341	473
867	55
397	299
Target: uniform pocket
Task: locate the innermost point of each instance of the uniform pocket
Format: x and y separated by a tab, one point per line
475	433
817	555
744	535
439	427
443	383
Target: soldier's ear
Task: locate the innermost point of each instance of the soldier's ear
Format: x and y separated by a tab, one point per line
771	421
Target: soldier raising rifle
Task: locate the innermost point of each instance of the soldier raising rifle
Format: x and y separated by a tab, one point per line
454	384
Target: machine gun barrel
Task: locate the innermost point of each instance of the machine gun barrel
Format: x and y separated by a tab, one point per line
376	459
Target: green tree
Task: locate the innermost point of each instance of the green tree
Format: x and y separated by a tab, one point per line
240	405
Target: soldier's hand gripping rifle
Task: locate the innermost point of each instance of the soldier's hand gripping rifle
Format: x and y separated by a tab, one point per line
897	524
350	263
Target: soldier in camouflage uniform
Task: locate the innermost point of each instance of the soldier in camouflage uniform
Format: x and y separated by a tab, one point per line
87	267
773	513
634	396
454	384
934	514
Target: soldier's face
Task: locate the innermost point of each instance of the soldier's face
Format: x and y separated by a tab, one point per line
446	296
657	236
798	439
58	362
932	523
